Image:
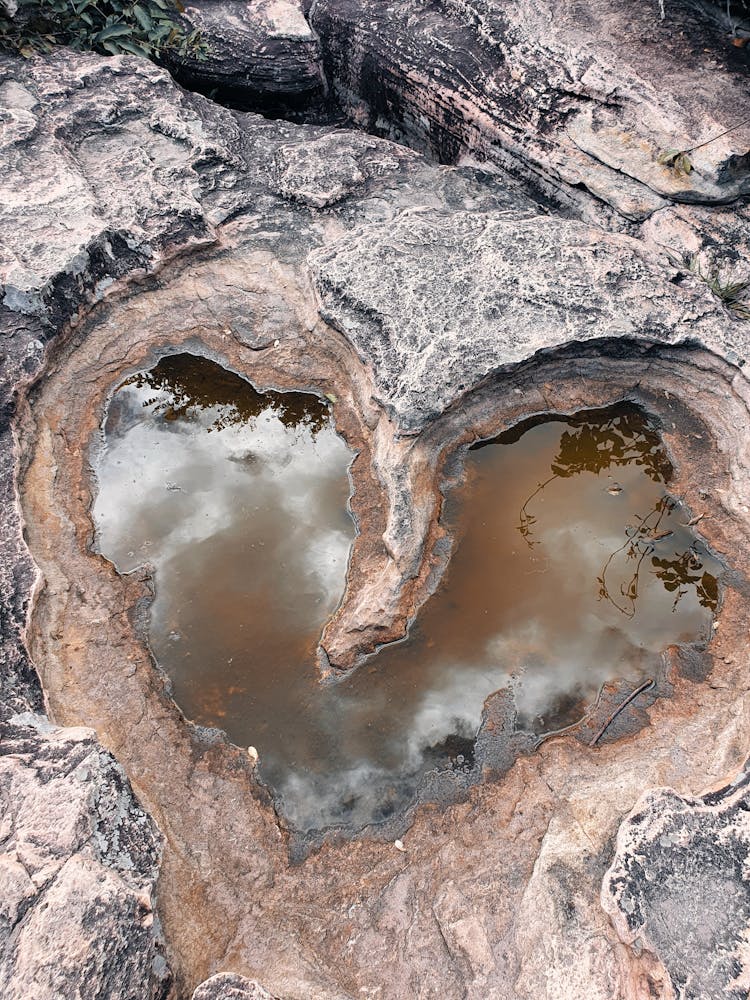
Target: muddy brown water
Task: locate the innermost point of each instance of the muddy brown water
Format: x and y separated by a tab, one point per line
572	566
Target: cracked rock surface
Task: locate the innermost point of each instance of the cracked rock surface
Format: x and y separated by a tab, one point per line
679	880
135	215
437	303
78	868
565	95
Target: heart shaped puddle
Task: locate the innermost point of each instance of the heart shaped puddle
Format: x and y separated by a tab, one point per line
572	566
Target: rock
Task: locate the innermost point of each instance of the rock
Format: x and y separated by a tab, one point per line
420	282
108	191
328	169
678	886
142	171
261	54
719	235
583	95
78	869
437	303
228	986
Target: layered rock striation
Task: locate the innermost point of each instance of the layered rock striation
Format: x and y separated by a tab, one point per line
565	97
261	56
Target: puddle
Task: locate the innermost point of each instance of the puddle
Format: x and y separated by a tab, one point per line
572	567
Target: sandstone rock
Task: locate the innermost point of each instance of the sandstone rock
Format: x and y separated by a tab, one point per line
324	171
109	168
678	886
107	189
228	986
435	279
436	303
718	235
573	94
78	868
262	54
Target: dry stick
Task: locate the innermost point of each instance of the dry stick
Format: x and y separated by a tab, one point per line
574	725
732	128
633	694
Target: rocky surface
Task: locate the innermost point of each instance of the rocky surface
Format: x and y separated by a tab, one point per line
565	96
500	289
134	215
228	986
261	55
680	878
78	866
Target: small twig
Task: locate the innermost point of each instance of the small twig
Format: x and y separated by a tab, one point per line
574	725
633	694
732	128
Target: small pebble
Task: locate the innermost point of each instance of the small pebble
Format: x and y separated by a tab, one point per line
399	845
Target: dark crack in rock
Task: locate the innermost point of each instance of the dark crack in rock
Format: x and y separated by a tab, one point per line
679	886
261	55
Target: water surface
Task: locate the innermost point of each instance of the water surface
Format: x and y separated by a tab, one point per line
572	566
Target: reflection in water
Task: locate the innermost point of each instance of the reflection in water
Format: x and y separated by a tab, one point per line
181	385
239	500
621	438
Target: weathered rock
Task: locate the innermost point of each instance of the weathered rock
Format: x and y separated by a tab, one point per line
109	168
78	868
436	304
228	986
105	190
583	95
332	167
409	261
262	54
719	236
678	886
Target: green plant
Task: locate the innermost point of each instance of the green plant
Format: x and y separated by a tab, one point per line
147	28
731	290
679	159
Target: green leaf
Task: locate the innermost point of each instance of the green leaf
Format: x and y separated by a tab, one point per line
667	157
112	31
142	17
682	164
132	47
677	159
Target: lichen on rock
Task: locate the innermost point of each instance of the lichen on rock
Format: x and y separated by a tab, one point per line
678	886
78	869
